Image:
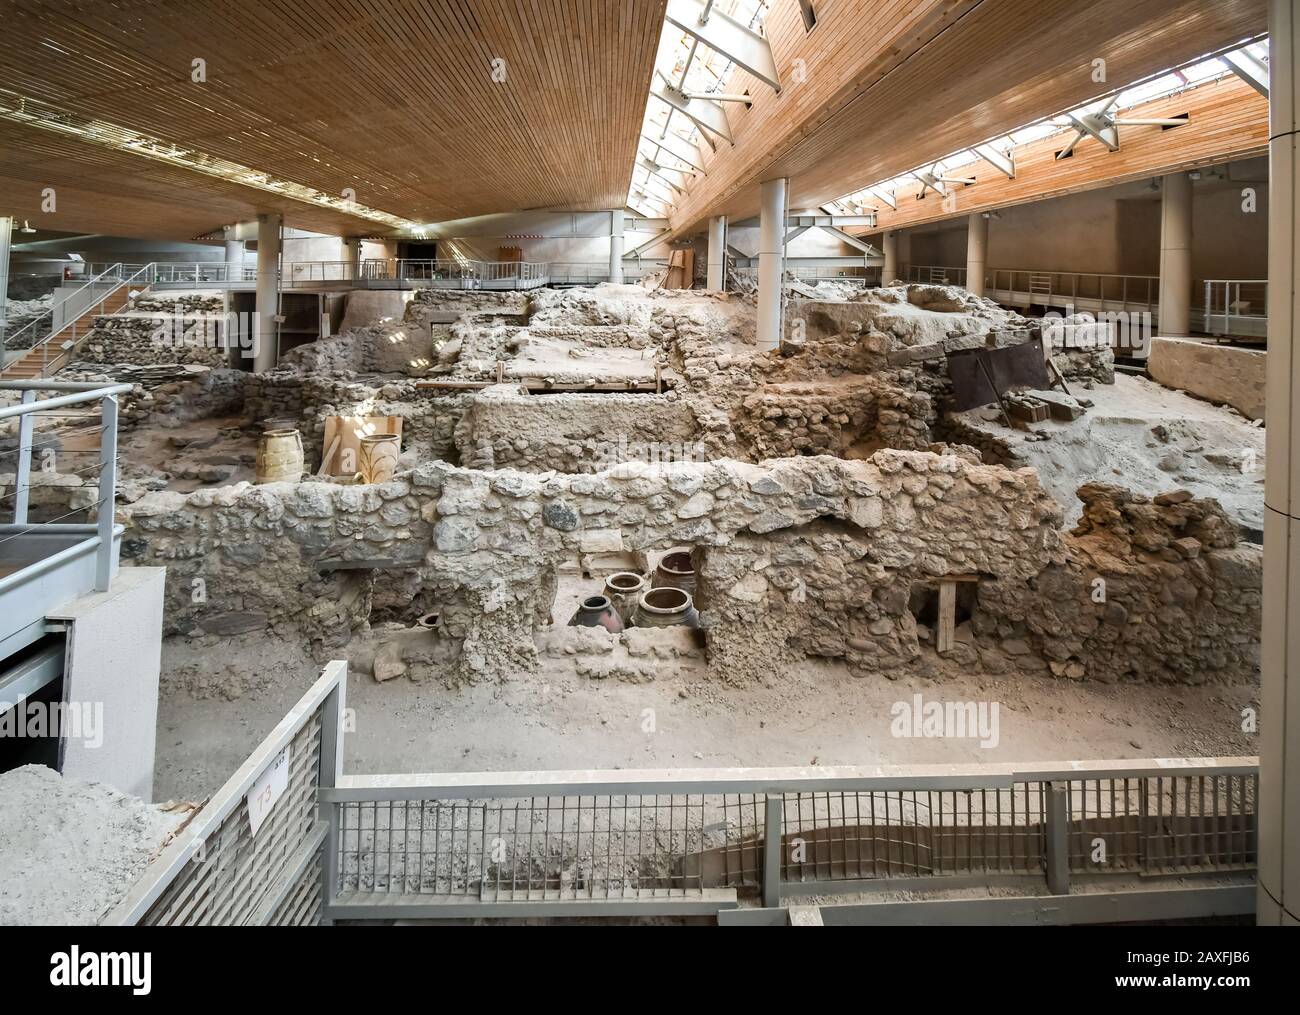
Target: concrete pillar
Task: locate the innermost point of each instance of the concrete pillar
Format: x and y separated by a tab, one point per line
1175	254
771	267
234	252
267	348
890	271
616	245
6	234
904	253
717	252
1278	893
977	253
352	254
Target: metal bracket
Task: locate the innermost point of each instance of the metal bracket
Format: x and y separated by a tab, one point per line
722	34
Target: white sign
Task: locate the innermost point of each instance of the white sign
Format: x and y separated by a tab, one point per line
270	786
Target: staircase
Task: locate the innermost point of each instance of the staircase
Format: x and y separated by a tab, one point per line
56	349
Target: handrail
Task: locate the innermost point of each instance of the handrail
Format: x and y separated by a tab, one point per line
4	340
73	393
1223	294
48	364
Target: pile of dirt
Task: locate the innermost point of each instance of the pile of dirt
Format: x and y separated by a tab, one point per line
70	850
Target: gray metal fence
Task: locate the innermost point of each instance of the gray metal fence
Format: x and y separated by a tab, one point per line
218	870
695	841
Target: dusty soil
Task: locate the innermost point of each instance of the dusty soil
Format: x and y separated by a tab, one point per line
70	850
553	719
1144	436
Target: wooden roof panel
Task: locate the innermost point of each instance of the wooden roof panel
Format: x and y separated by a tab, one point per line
394	100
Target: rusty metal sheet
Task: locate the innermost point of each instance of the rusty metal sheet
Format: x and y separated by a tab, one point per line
1015	366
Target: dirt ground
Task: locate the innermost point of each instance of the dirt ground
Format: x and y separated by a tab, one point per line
1149	438
814	715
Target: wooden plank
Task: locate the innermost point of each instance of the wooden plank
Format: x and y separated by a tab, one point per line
877	93
945	634
396	101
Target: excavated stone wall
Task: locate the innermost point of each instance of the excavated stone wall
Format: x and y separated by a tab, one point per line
488	543
159	330
575	432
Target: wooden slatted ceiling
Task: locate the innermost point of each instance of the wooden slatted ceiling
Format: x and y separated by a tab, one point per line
1228	121
892	85
391	98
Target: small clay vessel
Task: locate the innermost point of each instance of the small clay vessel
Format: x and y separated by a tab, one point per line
667	607
624	590
597	611
675	571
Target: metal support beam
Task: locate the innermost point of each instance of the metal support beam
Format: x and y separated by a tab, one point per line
1250	68
1004	162
656	238
105	513
853	241
773	821
737	42
1058	842
675	178
705	115
679	148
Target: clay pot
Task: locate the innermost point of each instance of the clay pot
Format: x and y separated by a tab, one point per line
597	611
430	621
675	571
378	459
279	457
666	607
624	590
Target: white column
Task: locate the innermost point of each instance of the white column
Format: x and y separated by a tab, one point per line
889	273
977	253
6	233
352	254
616	245
771	267
268	287
1278	894
717	251
1175	254
234	251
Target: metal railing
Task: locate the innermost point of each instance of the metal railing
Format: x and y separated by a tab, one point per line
191	272
398	272
928	274
681	841
39	329
1235	308
1094	291
217	869
105	285
45	564
687	841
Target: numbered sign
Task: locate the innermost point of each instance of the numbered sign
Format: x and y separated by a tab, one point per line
270	786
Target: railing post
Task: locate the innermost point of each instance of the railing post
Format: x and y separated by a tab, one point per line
107	494
1058	850
1205	317
332	734
23	476
773	819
